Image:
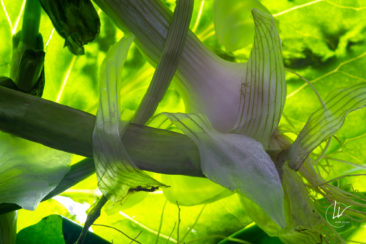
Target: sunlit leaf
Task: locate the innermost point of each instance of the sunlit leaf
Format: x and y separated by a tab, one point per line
234	23
29	171
55	229
192	190
216	220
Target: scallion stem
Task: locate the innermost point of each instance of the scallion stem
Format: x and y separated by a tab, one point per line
70	130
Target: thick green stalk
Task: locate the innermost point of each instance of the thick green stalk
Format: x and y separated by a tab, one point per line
70	130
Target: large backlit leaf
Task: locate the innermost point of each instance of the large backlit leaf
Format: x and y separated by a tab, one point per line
6	25
207	223
29	171
234	23
143	213
190	191
115	169
263	87
237	162
322	41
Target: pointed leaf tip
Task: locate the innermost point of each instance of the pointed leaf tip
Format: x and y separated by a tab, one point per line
237	162
263	89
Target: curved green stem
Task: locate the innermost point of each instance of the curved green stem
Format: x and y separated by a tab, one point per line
70	130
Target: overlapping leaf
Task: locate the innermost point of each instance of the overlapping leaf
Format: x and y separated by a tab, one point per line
207	223
263	88
29	171
115	169
237	162
190	191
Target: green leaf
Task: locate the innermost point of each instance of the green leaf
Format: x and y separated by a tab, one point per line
207	223
189	191
29	171
234	24
326	121
236	162
10	13
263	88
27	218
55	229
48	230
115	169
252	234
322	41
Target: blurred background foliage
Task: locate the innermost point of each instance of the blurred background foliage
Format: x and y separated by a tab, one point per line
323	40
